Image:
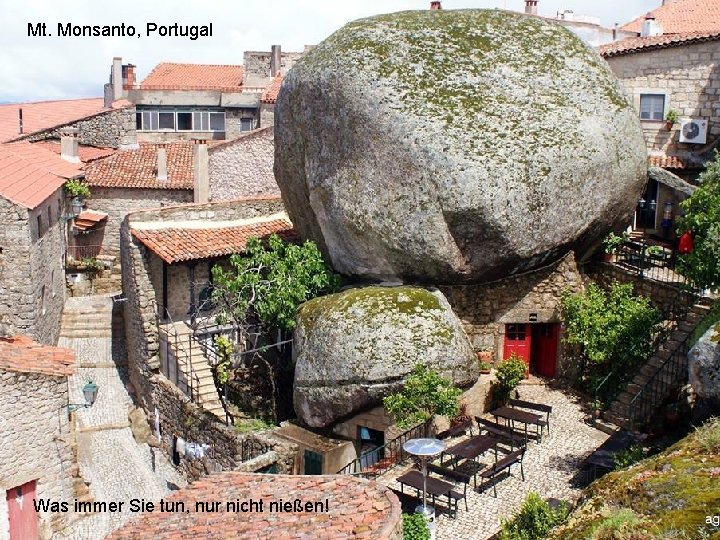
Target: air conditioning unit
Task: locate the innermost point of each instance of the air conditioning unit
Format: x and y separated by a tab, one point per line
693	130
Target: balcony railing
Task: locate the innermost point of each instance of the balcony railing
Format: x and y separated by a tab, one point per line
80	252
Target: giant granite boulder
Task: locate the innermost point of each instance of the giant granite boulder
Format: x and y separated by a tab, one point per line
455	146
355	347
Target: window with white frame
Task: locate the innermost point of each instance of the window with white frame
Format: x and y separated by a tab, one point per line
652	107
180	121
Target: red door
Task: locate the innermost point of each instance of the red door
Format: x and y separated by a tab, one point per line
545	348
518	341
21	510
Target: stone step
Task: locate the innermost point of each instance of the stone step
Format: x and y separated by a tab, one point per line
633	388
625	397
618	420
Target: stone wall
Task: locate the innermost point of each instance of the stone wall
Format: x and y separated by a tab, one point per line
119	202
244	167
112	128
485	309
35	443
243	208
688	75
32	281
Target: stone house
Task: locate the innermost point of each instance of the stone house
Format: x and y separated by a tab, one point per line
33	239
673	65
36	457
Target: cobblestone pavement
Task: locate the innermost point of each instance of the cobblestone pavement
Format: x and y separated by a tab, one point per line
549	469
117	467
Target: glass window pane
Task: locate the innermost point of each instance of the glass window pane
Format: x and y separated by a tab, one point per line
184	121
167	120
138	121
217	121
652	106
246	124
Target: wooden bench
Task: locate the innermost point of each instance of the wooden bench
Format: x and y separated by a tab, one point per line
505	433
540	407
455	476
456	431
505	463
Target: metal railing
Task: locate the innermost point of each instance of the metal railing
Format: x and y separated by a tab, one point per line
650	262
673	373
383	458
176	352
252	448
80	252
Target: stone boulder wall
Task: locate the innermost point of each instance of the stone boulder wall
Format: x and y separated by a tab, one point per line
355	347
455	146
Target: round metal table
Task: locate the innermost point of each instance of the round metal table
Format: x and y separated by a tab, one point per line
424	449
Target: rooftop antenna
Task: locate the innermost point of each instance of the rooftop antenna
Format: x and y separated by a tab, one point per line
20	126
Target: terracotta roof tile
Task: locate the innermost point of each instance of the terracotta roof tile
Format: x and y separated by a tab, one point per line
270	94
45	114
175	245
169	76
85	153
22	355
682	16
88	219
347	508
29	174
138	168
640	44
666	162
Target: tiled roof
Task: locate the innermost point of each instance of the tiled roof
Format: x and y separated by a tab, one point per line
29	174
169	76
45	114
666	162
138	168
270	94
356	508
22	355
175	245
682	16
640	44
85	153
88	219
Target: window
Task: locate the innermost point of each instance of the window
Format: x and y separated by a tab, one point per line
652	107
49	211
246	124
181	121
39	226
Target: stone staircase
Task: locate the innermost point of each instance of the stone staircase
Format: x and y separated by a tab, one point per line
194	367
86	318
657	369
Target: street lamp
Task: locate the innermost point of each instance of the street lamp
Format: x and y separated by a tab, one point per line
90	391
77	204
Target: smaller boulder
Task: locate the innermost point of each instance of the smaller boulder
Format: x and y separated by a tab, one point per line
355	347
704	367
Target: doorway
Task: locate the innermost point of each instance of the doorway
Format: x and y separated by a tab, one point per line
21	511
536	344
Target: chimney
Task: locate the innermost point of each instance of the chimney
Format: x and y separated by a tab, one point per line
651	27
20	126
161	162
116	78
435	5
128	77
275	60
69	145
531	7
201	172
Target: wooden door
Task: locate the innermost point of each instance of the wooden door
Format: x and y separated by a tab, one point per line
21	511
545	348
518	339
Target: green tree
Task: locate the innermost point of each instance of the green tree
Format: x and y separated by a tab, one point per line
270	282
425	394
702	218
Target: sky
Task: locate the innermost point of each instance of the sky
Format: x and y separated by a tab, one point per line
62	67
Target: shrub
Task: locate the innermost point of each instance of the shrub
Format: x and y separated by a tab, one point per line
77	188
534	521
424	395
612	242
630	456
415	527
508	373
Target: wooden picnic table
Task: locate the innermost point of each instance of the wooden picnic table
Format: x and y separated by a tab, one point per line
435	486
516	415
474	446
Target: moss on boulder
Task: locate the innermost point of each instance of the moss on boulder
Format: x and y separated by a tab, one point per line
355	347
455	146
670	495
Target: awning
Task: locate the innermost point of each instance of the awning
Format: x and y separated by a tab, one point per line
88	220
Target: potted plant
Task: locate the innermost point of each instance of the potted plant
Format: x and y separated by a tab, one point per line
597	407
670	119
484	355
612	243
485	367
